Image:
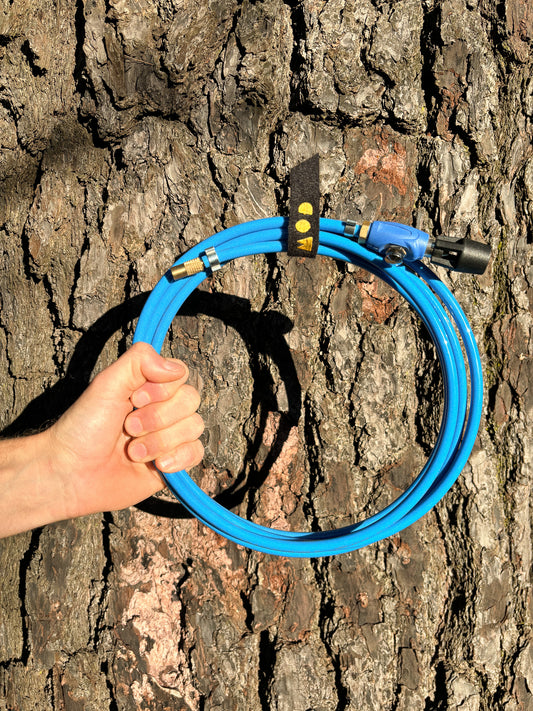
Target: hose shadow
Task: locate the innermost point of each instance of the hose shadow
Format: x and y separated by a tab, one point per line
263	336
55	400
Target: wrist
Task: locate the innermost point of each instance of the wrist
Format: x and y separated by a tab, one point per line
33	493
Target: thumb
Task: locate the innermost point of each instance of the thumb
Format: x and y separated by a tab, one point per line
141	363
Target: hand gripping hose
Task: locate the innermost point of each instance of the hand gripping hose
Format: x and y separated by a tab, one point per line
428	296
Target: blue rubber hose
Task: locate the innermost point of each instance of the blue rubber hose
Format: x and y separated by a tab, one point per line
457	354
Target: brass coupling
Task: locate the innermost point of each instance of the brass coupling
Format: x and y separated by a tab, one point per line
187	269
363	232
195	266
356	233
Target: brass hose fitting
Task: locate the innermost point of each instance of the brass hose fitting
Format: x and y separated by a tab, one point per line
192	266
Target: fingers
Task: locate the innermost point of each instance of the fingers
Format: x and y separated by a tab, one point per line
185	456
173	449
139	365
157	392
160	415
152	444
165	429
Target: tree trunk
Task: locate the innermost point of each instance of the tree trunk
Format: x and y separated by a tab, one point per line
129	132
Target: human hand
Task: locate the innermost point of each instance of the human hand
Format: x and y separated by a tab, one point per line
102	449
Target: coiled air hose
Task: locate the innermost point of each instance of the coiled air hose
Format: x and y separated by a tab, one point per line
401	268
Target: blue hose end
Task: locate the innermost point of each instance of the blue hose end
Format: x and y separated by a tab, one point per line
396	242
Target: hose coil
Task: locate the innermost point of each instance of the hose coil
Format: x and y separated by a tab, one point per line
447	326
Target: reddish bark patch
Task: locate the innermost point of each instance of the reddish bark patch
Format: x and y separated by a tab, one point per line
383	169
386	163
379	300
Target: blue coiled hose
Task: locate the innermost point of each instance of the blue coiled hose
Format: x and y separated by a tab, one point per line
439	311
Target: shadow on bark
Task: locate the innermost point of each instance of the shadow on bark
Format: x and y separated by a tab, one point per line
263	337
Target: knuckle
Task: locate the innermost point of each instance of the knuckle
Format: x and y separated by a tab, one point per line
187	371
141	348
190	397
185	456
195	453
197	425
200	450
157	444
157	419
161	392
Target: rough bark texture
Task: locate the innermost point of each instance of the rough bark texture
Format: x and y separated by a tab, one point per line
131	129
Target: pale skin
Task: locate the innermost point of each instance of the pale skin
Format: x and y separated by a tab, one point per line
99	455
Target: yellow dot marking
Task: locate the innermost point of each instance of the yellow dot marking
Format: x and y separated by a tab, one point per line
303	226
305	208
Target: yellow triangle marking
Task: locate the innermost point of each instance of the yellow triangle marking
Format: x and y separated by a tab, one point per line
306	243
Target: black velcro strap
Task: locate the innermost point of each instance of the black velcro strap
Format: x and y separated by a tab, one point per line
304	207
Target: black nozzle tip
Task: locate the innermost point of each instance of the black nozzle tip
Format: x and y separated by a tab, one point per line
465	255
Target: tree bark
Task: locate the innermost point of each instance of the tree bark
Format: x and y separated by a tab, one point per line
130	131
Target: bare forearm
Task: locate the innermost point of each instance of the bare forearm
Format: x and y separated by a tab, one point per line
98	455
30	494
